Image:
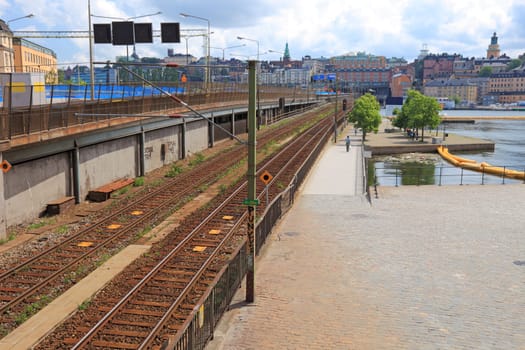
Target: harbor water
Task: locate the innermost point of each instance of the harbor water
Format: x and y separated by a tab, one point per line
508	136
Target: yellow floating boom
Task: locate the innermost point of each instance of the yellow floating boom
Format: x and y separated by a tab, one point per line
481	167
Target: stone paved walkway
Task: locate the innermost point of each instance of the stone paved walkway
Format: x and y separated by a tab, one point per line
429	267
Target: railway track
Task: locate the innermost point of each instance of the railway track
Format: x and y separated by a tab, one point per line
157	295
53	270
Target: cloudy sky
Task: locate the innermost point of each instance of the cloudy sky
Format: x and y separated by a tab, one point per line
311	27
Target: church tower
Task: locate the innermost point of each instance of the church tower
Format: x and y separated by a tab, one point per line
286	57
493	50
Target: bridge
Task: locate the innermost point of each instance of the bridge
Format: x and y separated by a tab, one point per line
79	142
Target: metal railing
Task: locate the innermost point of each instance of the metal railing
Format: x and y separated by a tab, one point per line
35	108
437	175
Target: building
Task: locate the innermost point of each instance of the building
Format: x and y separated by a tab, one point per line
33	58
508	87
400	85
465	90
6	49
439	66
493	51
359	60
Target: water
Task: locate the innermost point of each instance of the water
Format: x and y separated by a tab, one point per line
508	136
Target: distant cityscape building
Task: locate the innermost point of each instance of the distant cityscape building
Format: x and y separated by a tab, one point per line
466	90
493	51
400	85
439	66
508	87
358	61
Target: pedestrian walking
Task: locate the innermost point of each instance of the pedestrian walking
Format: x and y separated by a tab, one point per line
347	142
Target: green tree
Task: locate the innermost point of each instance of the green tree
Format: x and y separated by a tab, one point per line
456	99
485	72
513	64
365	114
418	111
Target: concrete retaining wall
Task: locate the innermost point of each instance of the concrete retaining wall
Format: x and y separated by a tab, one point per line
162	147
196	136
45	171
106	162
29	186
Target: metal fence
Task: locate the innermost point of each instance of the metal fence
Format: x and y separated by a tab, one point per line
430	174
25	109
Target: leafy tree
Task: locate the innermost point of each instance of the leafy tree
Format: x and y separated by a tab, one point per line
456	99
485	72
418	111
513	64
365	114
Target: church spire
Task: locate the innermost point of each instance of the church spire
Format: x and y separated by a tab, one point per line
286	56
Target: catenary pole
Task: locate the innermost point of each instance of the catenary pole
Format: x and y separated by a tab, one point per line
252	196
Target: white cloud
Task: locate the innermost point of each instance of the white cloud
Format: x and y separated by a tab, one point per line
315	27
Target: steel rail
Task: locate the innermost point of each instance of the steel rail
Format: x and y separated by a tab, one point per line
89	336
104	320
140	220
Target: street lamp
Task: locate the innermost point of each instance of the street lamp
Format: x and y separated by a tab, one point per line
256	41
207	70
16	19
226	48
279	52
187	37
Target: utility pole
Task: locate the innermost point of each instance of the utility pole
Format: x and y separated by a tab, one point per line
335	112
252	171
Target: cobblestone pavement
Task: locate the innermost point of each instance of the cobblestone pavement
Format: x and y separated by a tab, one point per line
429	267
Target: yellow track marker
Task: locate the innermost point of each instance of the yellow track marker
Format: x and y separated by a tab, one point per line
214	232
85	244
199	248
114	226
227	217
137	212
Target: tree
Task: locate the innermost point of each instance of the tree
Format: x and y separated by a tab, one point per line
513	64
365	114
418	111
485	72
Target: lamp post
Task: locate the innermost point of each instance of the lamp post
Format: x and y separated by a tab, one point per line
186	38
207	69
18	18
279	52
226	48
255	41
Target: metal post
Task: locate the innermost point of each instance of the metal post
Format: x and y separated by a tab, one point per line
252	197
75	159
142	156
91	68
335	113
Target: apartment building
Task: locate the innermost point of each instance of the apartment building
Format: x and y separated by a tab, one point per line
508	87
439	66
358	60
6	48
465	89
31	57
